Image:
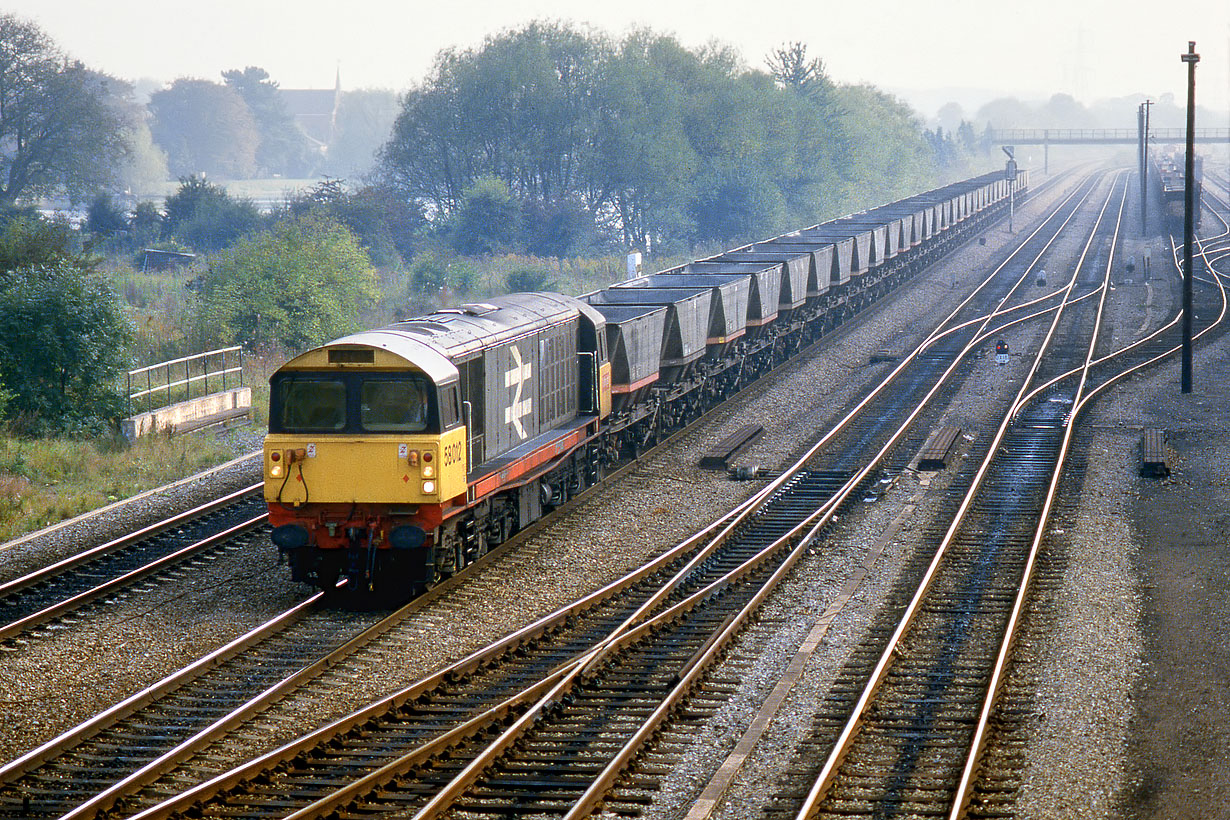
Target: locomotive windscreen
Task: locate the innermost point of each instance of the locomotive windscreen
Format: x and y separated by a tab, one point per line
311	406
352	403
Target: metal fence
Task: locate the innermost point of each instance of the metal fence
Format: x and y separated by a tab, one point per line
166	383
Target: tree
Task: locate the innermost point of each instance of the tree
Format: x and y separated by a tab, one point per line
144	168
283	148
63	340
639	141
736	204
560	228
205	128
145	224
59	132
104	217
388	227
487	220
518	108
300	283
206	217
792	70
63	334
28	240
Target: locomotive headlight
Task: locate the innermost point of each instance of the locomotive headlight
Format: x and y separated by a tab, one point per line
429	471
276	470
429	487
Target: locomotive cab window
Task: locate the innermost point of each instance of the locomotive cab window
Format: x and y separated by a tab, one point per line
395	405
311	405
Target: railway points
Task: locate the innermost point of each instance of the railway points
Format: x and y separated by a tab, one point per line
635	791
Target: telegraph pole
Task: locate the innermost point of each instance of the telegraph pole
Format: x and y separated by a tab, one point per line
1189	192
1140	164
1142	123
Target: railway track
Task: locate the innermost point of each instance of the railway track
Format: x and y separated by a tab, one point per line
103	780
50	593
502	709
908	726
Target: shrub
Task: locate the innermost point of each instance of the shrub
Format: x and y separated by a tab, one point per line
301	283
526	280
63	342
206	217
488	219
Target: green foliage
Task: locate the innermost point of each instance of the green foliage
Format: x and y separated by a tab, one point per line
28	240
63	341
560	228
638	142
527	280
387	226
487	221
298	284
145	224
205	217
283	148
441	277
104	217
205	128
60	128
893	159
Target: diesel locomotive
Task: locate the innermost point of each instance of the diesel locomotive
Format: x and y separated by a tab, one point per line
397	456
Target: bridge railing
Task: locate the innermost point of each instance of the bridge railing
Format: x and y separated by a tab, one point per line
165	383
1037	136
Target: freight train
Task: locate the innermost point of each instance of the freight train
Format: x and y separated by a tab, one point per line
397	456
1168	170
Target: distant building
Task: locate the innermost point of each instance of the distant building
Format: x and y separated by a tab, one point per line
315	110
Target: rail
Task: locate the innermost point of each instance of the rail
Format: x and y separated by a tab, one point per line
164	377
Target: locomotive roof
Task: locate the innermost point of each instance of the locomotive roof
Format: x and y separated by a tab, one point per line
437	342
413	351
463	331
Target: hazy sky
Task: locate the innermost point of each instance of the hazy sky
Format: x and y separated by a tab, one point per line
962	49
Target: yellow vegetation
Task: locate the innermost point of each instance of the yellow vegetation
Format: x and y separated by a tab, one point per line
48	480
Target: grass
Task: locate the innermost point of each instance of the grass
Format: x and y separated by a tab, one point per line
48	480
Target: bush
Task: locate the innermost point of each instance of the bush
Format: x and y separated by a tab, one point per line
436	276
301	283
206	217
488	219
145	224
63	342
28	240
104	217
528	280
557	229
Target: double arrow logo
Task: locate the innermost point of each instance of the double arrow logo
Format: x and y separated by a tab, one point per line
517	377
